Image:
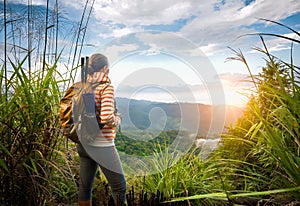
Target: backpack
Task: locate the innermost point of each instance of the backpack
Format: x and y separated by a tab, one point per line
81	97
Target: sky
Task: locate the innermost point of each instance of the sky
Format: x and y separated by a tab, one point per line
178	50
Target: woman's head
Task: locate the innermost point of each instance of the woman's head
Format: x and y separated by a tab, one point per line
97	62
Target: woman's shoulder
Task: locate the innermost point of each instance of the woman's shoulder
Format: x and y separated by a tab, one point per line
104	87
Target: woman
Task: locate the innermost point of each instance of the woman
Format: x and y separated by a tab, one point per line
102	150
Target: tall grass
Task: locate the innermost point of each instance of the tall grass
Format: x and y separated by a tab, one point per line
34	167
269	129
176	175
259	158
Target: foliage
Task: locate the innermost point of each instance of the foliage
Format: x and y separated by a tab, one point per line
34	167
260	153
267	135
181	176
143	148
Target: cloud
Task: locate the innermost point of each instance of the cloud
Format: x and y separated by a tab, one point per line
233	77
278	44
114	51
119	32
209	49
142	13
222	26
235	80
34	2
207	144
165	41
212	25
161	88
166	93
70	4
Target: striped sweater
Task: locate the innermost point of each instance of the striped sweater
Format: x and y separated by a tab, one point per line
105	109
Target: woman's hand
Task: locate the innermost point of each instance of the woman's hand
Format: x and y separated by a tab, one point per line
118	119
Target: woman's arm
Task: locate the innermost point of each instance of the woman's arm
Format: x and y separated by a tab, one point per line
105	104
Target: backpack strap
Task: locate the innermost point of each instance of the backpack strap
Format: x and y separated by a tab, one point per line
93	87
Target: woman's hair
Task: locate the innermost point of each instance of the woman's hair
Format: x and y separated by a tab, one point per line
96	63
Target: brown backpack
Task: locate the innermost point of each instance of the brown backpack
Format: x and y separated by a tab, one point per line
77	94
65	111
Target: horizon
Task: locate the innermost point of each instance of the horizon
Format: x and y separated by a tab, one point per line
165	102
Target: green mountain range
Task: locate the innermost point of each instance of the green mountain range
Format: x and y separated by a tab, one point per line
203	119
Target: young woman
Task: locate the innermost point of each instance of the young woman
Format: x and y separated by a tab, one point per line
101	151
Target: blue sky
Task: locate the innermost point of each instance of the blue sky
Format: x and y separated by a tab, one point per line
185	39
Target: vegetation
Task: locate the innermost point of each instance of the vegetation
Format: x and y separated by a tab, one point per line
32	156
258	160
260	153
36	167
144	148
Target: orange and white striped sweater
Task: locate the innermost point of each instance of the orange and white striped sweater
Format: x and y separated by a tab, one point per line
105	109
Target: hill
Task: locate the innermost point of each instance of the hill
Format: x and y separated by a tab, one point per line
194	117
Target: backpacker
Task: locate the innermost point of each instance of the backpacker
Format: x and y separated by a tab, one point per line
81	97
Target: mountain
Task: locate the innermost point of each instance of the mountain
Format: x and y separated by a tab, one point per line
200	118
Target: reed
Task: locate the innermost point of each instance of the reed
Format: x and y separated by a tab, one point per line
260	155
33	162
268	132
36	166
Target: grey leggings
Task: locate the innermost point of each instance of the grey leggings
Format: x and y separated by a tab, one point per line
108	160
